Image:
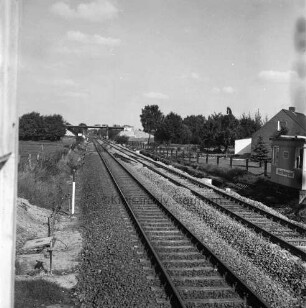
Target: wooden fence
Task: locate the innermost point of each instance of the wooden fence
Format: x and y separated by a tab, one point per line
220	160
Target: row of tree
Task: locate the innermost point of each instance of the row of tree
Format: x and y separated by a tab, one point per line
217	130
33	126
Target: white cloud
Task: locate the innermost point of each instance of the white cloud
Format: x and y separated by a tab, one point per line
96	11
226	90
64	82
229	90
78	36
192	75
195	76
76	94
275	76
216	90
156	95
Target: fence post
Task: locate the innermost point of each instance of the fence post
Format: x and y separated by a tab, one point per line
73	192
265	168
171	151
197	158
218	157
206	158
231	161
247	164
176	154
167	152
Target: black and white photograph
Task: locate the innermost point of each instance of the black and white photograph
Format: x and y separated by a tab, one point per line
152	153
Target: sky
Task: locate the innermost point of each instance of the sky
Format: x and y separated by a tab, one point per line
102	61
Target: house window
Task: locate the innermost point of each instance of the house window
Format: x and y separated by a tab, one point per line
285	154
283	124
275	155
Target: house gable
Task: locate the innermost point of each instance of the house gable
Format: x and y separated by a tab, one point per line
291	120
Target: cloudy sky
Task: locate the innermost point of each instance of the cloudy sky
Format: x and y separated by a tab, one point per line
101	61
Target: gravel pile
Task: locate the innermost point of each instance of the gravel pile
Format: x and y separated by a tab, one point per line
115	271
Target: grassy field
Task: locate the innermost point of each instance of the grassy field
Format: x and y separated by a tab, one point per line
43	172
40	149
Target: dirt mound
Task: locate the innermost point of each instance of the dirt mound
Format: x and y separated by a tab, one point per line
32	222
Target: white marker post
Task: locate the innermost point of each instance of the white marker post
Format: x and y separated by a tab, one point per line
73	191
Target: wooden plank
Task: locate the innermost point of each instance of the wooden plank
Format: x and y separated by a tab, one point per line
38	242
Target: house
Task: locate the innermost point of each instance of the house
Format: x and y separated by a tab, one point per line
294	123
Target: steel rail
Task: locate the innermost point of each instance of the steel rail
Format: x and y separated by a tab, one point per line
232	279
273	217
170	289
273	238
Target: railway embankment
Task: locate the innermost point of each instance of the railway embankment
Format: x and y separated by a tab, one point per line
48	240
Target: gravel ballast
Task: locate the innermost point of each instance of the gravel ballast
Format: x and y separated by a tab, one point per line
270	289
115	271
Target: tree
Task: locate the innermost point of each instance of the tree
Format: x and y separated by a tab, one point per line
31	126
83	128
54	127
172	130
151	118
195	123
260	151
219	131
186	134
248	126
112	133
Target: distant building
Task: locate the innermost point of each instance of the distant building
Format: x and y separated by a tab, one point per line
294	123
136	135
69	133
243	146
128	128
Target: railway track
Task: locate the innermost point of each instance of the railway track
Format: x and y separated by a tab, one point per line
192	275
288	235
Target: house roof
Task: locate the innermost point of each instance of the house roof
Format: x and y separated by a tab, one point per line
297	117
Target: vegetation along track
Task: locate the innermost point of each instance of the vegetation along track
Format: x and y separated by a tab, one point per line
289	235
192	275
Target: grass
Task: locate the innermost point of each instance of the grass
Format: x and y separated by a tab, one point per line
35	293
41	148
43	180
